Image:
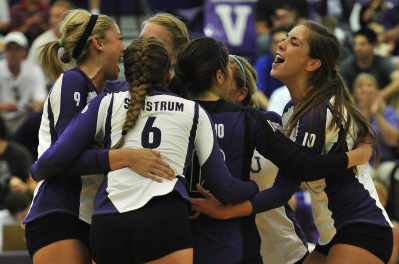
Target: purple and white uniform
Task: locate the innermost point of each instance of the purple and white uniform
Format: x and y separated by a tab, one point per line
73	195
282	239
336	201
239	131
172	125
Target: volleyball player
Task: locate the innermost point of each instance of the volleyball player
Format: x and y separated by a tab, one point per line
282	238
57	226
352	223
203	73
131	223
137	220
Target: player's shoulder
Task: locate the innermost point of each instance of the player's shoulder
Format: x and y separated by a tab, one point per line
220	106
73	73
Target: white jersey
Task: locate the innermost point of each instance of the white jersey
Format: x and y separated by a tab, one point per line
337	201
126	189
74	195
170	124
281	240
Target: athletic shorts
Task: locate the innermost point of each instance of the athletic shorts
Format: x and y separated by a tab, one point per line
376	239
55	227
151	232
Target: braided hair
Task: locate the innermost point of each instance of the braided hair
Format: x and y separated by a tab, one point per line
146	62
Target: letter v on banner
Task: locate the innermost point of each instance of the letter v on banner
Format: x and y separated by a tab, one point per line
233	22
234	31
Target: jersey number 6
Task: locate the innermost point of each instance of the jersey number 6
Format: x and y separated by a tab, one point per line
150	132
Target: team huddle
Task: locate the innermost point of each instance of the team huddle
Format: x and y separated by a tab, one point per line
171	180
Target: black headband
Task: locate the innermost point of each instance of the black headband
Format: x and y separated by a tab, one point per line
86	34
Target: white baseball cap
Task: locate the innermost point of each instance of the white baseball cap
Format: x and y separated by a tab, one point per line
16	37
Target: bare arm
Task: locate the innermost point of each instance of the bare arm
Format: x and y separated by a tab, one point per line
370	10
210	206
392	34
360	155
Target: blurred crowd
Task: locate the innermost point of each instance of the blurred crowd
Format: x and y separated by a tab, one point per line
369	65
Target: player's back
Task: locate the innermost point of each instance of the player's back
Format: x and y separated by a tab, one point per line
166	123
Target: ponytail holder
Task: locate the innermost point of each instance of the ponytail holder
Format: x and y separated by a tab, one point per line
60	43
242	69
124	132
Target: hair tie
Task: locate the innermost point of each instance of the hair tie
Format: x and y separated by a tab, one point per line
60	43
242	68
86	33
124	132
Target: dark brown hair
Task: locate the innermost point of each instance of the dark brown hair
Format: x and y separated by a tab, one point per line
324	83
196	66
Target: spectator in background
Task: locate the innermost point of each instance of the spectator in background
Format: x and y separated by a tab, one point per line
366	12
4	17
346	41
22	86
364	60
29	17
390	21
93	6
57	14
383	118
383	47
388	174
280	97
15	162
340	9
16	208
263	65
271	15
27	133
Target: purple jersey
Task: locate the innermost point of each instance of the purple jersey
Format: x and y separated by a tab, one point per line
174	126
336	201
68	96
239	131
